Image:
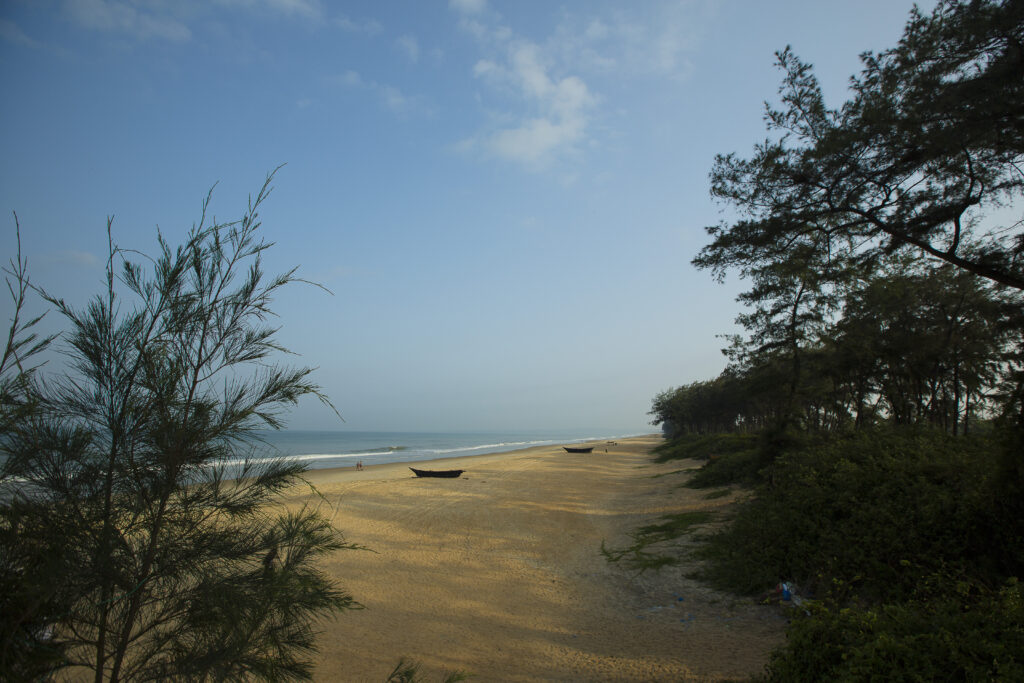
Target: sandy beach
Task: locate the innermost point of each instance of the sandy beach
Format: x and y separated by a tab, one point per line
499	573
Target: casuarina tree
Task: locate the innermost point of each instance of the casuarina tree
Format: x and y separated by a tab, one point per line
139	540
926	155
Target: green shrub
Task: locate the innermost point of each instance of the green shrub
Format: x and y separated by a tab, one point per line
740	467
959	637
704	446
730	458
874	511
897	536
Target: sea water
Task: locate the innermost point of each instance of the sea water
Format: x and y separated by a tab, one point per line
324	449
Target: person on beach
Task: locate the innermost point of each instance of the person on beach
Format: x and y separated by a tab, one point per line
359	464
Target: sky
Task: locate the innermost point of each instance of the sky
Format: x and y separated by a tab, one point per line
502	196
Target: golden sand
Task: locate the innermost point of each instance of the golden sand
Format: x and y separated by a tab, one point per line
499	573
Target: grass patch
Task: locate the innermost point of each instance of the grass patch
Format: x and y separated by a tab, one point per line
409	672
673	527
666	474
720	493
637	555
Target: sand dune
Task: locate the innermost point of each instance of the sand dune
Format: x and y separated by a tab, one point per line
499	573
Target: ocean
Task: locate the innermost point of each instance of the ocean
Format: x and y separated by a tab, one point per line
324	449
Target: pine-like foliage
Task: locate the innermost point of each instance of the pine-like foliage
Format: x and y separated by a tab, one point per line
918	159
130	545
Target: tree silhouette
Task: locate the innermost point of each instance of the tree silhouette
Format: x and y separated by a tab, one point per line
130	544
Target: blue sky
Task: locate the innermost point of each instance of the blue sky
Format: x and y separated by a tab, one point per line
504	197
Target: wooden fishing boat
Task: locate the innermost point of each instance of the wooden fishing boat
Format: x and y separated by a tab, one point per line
447	474
578	449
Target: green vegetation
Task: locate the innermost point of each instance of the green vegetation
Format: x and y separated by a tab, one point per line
128	545
873	514
667	474
908	545
951	638
875	405
729	457
409	672
914	344
703	447
637	555
928	144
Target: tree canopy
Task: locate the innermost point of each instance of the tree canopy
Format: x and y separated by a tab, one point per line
883	362
925	155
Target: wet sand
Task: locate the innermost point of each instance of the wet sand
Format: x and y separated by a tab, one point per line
499	573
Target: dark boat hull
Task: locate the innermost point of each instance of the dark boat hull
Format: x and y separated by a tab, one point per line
445	474
569	449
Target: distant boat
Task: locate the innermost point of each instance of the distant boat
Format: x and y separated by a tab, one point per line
578	449
448	474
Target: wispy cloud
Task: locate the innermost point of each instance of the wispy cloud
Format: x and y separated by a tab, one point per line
550	112
393	98
468	6
539	93
370	27
390	96
348	79
311	10
168	20
12	33
410	46
122	17
657	43
72	257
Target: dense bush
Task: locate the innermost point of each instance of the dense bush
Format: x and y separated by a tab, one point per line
973	634
730	458
704	446
872	511
904	538
907	544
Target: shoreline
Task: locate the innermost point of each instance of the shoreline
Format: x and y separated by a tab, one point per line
499	573
464	462
332	450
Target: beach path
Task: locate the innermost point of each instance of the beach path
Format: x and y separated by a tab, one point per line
499	573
